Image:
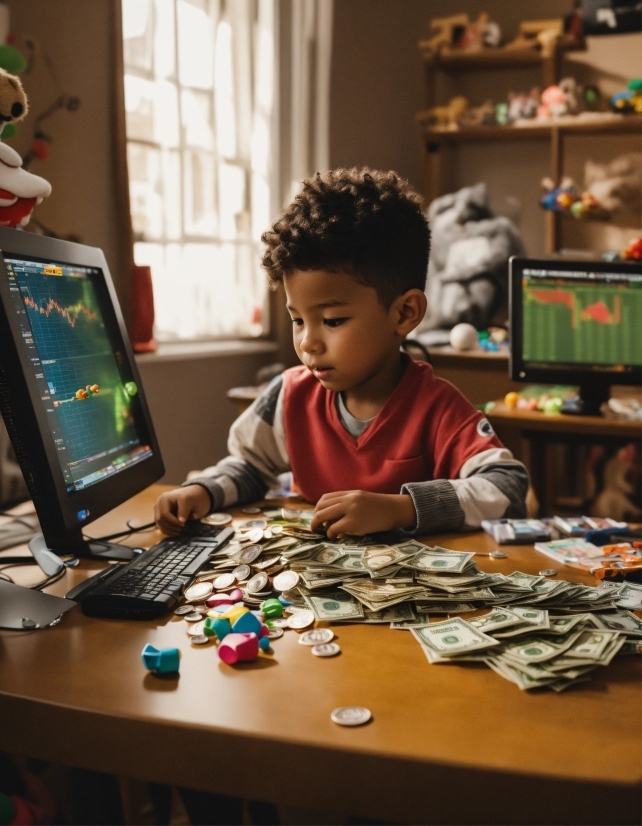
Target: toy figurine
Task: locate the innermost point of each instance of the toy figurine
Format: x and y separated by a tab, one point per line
629	100
13	101
20	190
448	116
553	103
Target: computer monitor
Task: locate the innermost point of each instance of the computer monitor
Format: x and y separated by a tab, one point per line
576	323
70	392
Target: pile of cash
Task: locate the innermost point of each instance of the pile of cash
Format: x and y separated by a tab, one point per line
404	584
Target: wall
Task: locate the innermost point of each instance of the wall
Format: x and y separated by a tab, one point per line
377	88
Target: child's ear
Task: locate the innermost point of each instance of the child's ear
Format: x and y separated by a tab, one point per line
409	310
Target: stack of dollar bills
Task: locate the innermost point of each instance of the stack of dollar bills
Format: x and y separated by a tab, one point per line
539	632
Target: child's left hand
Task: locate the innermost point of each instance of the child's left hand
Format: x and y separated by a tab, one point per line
359	512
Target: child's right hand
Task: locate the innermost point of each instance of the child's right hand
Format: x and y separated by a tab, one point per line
174	508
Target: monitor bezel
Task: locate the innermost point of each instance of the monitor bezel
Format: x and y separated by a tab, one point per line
111	491
574	374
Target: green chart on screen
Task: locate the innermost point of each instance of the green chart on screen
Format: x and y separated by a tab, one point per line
588	322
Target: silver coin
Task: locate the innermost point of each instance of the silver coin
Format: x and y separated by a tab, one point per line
286	581
183	609
194	616
198	591
548	572
300	620
251	510
252	524
267	562
196	630
255	535
218	519
224	581
249	554
316	636
241	573
351	715
275	633
276	529
326	649
199	639
257	583
498	555
279	622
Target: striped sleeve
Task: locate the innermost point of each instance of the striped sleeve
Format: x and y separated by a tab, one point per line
257	453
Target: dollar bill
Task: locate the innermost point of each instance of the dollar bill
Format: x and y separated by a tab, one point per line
496	619
439	559
336	605
452	637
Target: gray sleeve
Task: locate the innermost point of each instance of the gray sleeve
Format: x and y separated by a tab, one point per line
491	485
257	454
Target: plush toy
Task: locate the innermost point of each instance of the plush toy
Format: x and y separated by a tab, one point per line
521	105
20	191
553	103
468	269
616	185
13	101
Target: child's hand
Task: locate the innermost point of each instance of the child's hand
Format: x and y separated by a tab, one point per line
174	508
359	512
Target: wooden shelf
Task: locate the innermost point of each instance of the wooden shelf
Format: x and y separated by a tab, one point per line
611	124
455	60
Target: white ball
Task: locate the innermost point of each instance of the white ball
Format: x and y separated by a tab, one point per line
463	337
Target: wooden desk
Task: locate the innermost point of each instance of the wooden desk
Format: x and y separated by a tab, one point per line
540	433
448	744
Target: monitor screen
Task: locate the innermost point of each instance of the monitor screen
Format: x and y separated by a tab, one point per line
84	380
582	317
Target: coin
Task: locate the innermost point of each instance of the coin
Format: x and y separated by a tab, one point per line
316	636
326	649
241	573
251	510
194	616
275	633
286	580
351	715
257	583
218	519
199	639
195	630
278	622
276	529
254	523
183	609
548	572
255	535
198	591
224	581
498	555
301	619
249	554
267	562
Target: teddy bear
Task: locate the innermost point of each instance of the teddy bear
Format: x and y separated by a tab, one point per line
13	101
615	185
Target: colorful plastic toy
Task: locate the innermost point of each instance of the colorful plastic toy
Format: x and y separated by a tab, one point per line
272	608
161	660
629	100
239	648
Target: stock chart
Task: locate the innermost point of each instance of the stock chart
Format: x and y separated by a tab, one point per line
588	322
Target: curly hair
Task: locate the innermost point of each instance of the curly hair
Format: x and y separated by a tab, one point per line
362	222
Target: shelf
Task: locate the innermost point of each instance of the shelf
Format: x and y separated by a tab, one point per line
578	125
455	60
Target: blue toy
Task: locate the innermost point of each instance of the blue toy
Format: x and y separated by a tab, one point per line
161	661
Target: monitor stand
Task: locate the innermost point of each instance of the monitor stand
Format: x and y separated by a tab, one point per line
591	397
51	563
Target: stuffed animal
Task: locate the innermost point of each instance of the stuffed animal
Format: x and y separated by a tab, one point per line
468	269
616	185
553	103
13	101
523	105
20	191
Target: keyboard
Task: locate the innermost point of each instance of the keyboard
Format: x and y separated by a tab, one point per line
152	583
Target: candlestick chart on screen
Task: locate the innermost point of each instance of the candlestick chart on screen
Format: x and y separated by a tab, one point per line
591	322
88	393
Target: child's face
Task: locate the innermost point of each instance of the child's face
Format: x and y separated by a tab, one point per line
342	332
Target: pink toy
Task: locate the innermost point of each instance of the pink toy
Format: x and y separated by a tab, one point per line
219	599
238	648
553	103
236	595
20	191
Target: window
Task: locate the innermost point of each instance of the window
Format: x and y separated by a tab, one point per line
199	80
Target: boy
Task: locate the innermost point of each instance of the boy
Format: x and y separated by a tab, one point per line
372	437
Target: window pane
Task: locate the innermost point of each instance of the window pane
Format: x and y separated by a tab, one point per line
164	37
166	124
145	190
197	118
151	110
233	215
137	34
224	96
171	162
200	189
195	45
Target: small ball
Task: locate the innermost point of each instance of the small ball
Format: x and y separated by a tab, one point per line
511	399
463	337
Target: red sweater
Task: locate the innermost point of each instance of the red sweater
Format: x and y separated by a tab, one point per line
426	430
